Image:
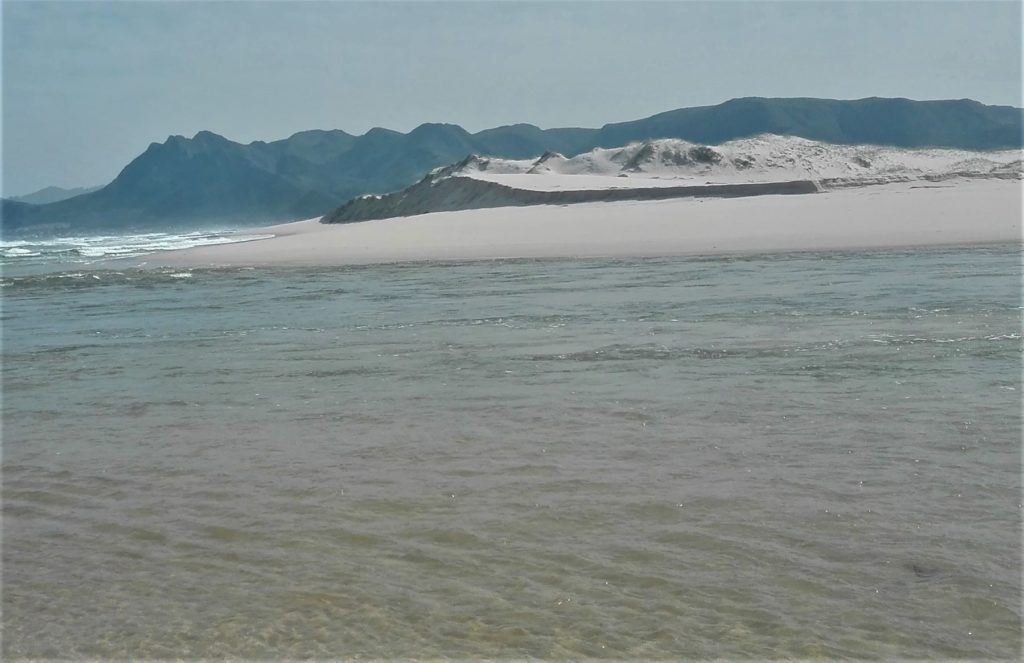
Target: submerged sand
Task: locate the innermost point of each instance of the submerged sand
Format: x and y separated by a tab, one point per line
954	212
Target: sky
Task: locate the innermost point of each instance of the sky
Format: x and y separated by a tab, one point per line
87	86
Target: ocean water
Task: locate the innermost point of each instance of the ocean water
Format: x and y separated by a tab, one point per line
808	455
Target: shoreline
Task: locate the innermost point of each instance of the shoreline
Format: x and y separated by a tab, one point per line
905	215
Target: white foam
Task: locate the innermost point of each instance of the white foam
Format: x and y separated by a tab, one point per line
18	253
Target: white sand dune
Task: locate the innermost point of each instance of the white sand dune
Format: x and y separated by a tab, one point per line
953	212
766	158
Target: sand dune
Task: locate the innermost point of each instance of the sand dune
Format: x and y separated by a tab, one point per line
671	168
764	158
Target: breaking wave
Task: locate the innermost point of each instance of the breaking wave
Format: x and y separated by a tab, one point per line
88	249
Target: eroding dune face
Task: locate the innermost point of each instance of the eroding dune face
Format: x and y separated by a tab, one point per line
450	194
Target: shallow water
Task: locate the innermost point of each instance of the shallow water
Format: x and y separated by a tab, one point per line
787	456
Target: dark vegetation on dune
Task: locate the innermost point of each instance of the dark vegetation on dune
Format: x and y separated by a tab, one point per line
439	193
209	180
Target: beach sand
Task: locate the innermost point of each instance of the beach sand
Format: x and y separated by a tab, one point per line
953	212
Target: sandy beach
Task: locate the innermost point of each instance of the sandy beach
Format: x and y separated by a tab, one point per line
953	212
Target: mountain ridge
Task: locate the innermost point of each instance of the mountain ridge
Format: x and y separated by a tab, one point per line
210	180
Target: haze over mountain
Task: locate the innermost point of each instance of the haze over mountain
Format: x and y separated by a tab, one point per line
209	180
52	194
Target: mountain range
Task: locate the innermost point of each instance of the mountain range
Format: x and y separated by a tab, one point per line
208	180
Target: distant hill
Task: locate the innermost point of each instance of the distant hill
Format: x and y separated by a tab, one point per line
209	180
52	194
961	124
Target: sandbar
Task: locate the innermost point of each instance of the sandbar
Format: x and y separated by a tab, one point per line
908	214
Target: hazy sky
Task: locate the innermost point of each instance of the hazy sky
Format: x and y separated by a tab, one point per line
88	85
